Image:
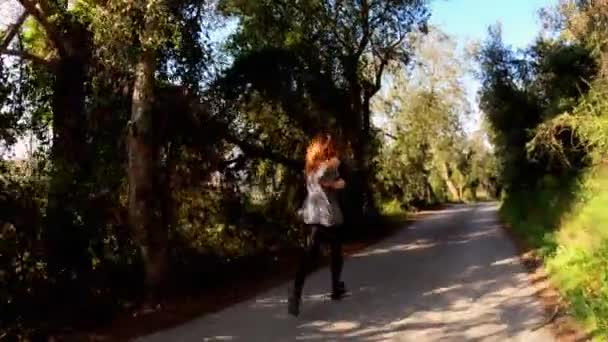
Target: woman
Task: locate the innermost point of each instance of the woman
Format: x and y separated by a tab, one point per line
322	215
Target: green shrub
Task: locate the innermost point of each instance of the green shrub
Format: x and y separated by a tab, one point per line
567	222
393	207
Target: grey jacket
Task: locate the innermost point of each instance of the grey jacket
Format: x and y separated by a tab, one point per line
321	205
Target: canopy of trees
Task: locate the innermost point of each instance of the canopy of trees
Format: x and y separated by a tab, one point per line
428	157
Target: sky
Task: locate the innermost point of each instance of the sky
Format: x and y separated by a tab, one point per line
468	20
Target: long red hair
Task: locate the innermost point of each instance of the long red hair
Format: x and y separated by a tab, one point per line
322	148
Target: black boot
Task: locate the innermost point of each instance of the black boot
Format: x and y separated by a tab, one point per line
293	303
339	291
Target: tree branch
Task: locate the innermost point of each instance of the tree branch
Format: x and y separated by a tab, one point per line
45	8
389	135
366	29
335	7
28	56
384	60
50	30
12	31
235	163
378	79
256	151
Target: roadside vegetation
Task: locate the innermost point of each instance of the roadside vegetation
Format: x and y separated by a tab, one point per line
547	109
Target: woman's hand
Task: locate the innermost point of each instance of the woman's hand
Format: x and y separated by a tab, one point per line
336	185
339	184
333	162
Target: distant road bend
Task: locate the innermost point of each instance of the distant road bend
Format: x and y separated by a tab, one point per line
454	276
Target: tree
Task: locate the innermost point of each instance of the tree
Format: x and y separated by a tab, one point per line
65	54
510	106
163	34
425	108
351	43
91	73
584	23
144	154
521	91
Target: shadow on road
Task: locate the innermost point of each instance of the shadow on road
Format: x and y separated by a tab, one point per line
452	277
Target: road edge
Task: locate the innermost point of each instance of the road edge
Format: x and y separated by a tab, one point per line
563	325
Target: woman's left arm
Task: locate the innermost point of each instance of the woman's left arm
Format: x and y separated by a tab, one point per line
330	177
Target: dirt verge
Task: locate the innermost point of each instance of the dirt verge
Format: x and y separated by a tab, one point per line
565	327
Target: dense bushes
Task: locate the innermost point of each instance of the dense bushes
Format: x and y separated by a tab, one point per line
566	220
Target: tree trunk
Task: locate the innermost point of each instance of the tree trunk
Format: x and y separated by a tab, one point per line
143	174
368	200
366	113
453	190
355	173
360	195
474	193
168	209
429	193
451	187
67	241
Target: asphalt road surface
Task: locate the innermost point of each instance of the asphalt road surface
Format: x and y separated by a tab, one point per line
453	276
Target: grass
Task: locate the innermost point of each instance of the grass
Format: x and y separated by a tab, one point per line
566	221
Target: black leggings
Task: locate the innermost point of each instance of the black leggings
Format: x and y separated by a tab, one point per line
317	235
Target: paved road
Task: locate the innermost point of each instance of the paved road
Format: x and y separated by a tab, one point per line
451	277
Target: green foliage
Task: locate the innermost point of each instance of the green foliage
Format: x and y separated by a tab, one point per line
340	56
8	119
510	108
393	207
429	158
587	124
22	265
565	220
